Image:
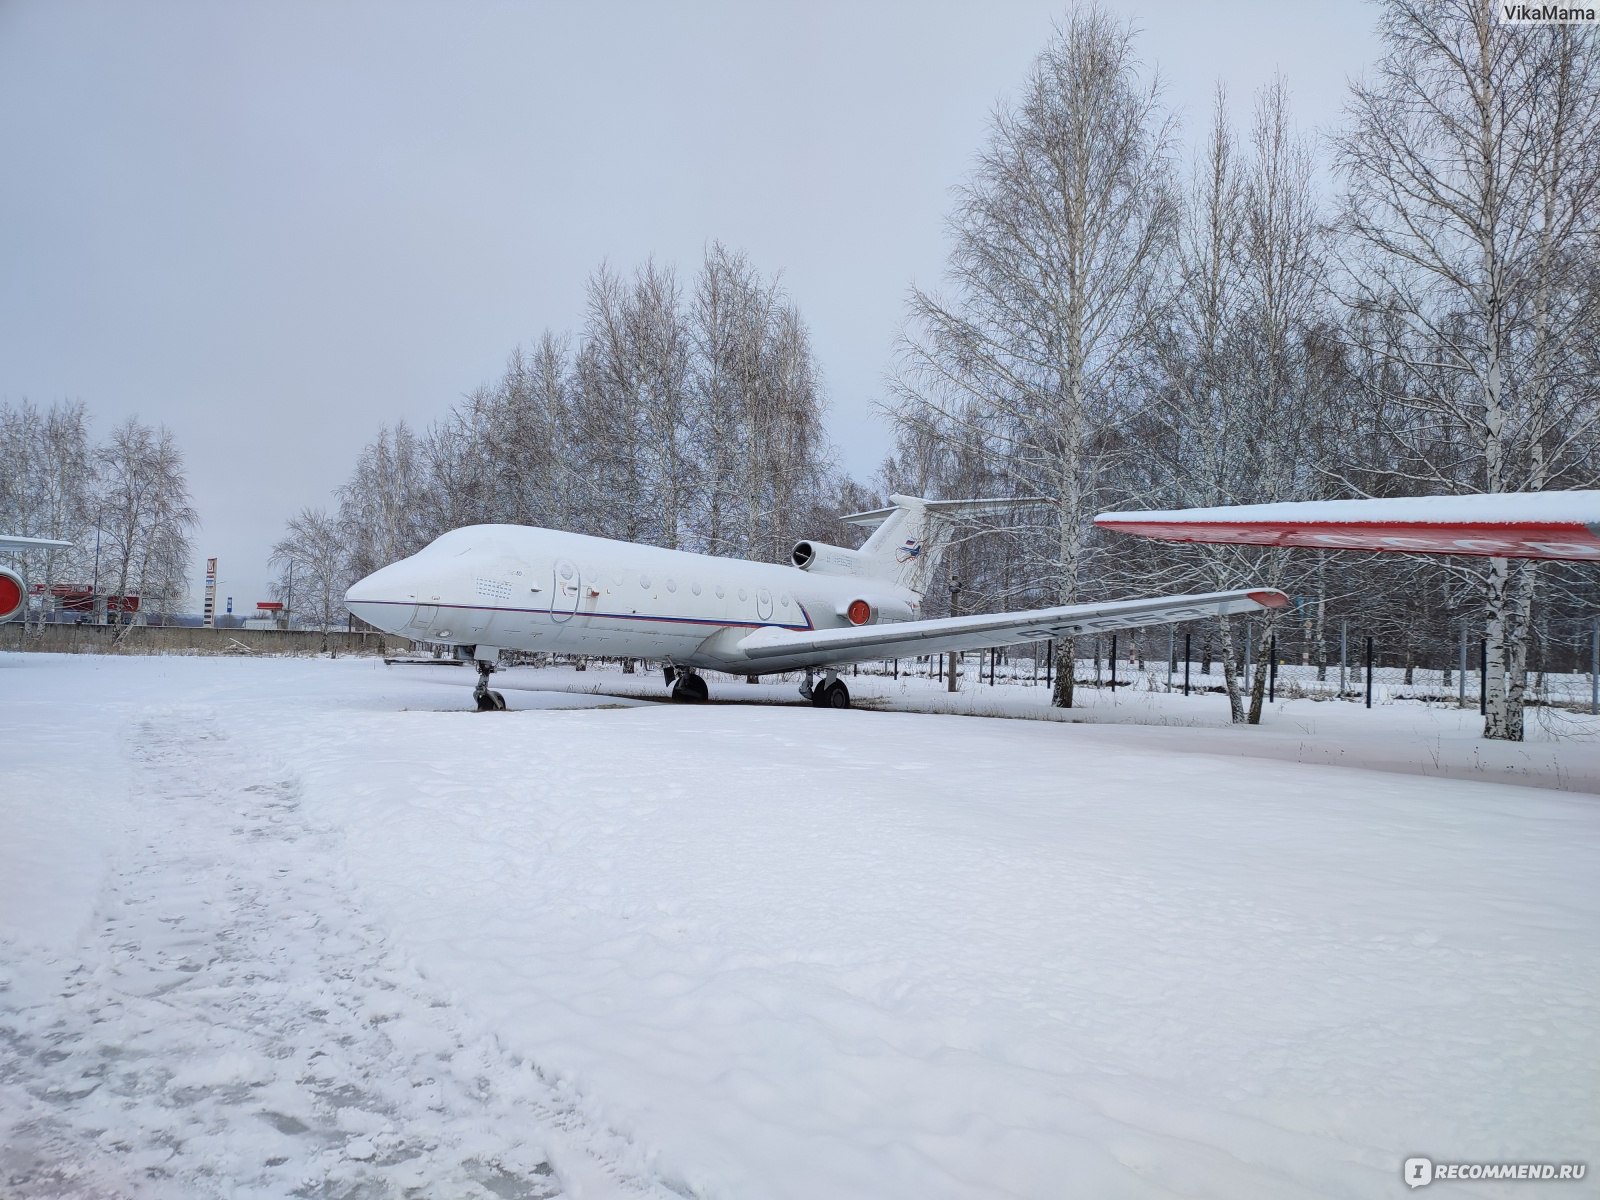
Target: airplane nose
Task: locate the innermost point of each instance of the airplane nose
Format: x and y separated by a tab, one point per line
383	600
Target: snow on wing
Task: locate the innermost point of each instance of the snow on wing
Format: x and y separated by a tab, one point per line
902	639
7	542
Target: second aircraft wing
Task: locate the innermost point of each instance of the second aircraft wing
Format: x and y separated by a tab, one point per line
1554	525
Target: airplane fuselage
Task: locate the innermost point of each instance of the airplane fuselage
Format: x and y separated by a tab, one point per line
516	587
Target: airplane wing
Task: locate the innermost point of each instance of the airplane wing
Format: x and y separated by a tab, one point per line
1553	525
904	639
22	543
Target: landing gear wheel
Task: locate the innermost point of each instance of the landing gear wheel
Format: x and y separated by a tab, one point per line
690	688
488	699
831	695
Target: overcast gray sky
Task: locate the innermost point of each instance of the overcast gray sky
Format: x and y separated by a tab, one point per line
275	227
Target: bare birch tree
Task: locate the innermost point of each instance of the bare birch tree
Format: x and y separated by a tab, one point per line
696	426
1056	237
313	568
46	490
146	516
383	506
1189	427
1472	211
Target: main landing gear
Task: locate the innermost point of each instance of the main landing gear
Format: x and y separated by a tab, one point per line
830	693
488	699
687	687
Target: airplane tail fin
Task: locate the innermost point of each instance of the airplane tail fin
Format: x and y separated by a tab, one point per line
910	536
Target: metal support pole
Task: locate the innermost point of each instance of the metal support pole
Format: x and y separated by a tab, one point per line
1594	668
1344	656
994	653
1272	669
1049	660
1113	664
955	611
1461	675
1369	670
1172	654
1483	677
1186	638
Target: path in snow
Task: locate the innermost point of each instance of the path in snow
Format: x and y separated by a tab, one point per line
238	1010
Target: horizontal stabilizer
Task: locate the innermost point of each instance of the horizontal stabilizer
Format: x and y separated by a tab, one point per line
954	510
1550	525
908	538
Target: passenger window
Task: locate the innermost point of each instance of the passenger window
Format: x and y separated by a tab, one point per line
695	587
671	586
644	581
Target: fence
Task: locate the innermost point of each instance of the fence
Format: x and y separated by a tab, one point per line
1562	672
172	639
1351	665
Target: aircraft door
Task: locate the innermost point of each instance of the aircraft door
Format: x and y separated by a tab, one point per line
564	590
426	618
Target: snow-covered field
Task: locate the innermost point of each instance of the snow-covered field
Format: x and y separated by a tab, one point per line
306	928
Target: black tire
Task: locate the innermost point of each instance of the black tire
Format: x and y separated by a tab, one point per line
491	702
833	695
690	689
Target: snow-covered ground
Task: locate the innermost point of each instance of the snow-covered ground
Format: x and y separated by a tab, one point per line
306	928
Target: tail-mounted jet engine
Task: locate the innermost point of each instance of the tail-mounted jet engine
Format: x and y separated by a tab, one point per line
878	601
823	559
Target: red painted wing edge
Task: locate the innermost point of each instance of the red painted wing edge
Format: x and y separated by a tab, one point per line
1522	539
1268	598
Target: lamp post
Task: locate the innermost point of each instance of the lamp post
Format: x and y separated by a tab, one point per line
955	593
94	588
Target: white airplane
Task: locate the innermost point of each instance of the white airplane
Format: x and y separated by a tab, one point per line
1547	525
13	587
487	588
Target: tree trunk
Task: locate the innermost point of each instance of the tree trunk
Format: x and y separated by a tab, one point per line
1066	662
1497	719
1230	677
